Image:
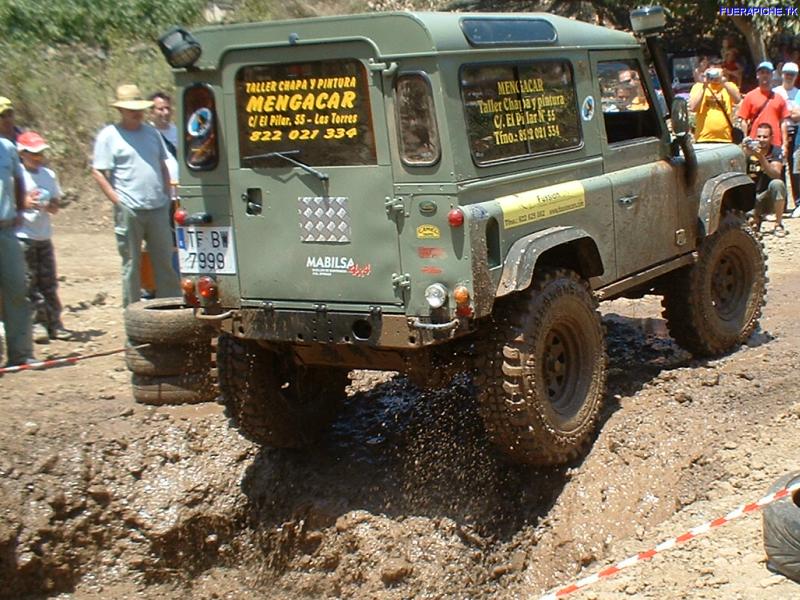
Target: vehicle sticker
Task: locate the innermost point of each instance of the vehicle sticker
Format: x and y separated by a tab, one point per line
428	232
431	252
478	212
431	270
587	108
199	123
326	266
543	203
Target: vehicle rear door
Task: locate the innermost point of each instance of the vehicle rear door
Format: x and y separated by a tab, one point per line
310	174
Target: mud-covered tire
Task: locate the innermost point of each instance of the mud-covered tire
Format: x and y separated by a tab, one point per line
160	360
271	400
163	321
189	388
714	305
781	521
541	370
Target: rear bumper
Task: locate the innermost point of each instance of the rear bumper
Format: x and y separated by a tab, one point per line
373	329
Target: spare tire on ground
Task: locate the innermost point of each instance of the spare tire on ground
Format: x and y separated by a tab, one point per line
164	321
159	360
169	353
189	388
781	521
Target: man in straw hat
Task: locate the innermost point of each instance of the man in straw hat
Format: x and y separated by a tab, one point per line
129	166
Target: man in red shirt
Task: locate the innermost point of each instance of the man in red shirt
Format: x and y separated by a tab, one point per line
762	105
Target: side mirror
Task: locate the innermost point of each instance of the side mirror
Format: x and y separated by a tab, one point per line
679	116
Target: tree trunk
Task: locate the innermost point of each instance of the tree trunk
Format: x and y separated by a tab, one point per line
752	35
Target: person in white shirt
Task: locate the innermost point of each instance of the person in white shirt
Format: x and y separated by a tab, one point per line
789	91
35	233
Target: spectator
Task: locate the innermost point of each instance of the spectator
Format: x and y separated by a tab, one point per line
129	166
161	114
699	72
762	105
732	66
713	102
765	166
8	129
42	194
16	312
789	91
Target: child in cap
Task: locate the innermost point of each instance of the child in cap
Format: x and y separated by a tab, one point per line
42	193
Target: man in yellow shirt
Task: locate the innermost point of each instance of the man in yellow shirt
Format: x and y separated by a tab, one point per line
712	101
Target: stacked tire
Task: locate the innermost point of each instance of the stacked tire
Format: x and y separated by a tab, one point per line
169	353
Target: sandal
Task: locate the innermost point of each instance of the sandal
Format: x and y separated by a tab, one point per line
779	231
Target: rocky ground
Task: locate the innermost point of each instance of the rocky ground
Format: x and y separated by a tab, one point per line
101	497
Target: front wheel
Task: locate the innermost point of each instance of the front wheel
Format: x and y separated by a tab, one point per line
714	305
273	401
541	373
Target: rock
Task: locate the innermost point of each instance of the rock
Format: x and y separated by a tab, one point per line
30	428
711	380
126	413
794	410
99	298
46	465
395	570
683	398
730	445
100	494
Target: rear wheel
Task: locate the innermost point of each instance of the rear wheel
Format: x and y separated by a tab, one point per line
272	400
542	372
714	305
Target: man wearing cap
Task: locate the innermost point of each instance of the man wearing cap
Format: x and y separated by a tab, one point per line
789	91
16	310
762	105
129	166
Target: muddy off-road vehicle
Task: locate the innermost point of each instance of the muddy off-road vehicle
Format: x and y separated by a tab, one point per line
434	192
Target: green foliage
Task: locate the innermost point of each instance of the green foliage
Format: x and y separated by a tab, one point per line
64	93
91	22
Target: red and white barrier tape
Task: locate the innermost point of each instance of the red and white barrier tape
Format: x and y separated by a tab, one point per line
672	542
57	362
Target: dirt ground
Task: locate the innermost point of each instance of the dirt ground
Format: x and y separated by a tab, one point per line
101	497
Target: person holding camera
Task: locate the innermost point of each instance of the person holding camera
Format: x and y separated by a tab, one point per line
712	101
765	166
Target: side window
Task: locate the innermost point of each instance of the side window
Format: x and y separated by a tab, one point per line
418	131
628	112
519	110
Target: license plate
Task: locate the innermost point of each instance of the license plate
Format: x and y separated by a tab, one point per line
206	250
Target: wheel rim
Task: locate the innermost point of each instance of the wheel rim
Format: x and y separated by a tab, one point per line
730	285
561	369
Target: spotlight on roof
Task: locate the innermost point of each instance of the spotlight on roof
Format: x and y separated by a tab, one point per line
180	48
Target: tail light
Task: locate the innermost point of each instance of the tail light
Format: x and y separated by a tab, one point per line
180	217
462	298
455	217
189	295
207	288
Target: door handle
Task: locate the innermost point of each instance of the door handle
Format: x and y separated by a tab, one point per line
627	200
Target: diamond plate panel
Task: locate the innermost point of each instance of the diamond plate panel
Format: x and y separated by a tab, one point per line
324	219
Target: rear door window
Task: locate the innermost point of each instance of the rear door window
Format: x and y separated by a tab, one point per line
316	112
520	109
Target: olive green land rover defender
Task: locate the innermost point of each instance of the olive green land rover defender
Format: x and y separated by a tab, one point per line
430	192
